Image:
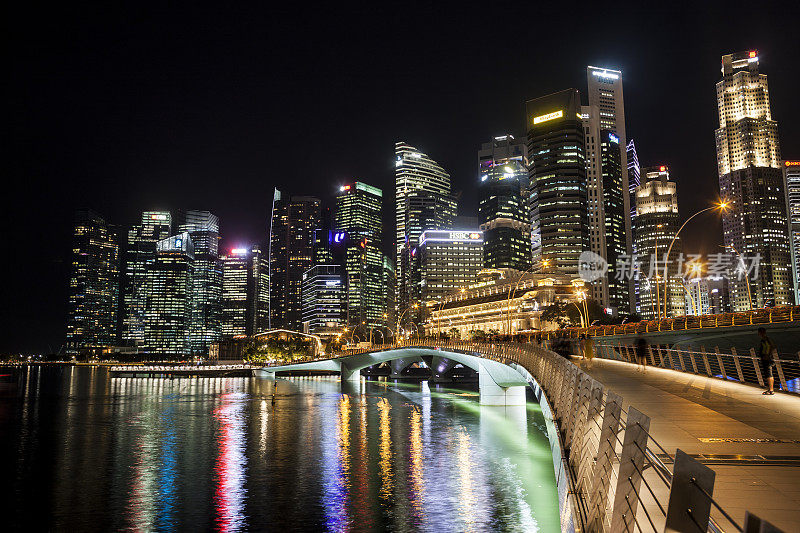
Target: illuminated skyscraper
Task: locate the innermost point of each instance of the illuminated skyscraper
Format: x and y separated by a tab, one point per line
245	292
607	174
503	203
791	180
294	221
423	202
656	224
94	284
324	300
359	210
558	184
167	290
751	180
203	228
449	260
140	250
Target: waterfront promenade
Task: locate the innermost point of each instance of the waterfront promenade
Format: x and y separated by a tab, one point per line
751	441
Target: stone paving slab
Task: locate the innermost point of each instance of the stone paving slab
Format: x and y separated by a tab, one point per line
685	408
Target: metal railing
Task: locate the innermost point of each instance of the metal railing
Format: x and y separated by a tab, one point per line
733	366
611	461
746	318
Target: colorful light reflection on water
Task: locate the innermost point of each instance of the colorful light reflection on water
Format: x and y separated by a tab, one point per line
220	454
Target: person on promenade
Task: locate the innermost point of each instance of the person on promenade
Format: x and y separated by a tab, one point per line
588	350
767	353
641	354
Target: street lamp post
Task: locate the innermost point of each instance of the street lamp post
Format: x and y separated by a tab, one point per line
722	206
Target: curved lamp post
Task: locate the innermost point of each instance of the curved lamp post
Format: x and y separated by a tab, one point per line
722	206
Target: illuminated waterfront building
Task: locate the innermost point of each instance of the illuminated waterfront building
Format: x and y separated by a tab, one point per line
697	297
359	210
558	184
448	261
503	203
656	224
791	180
751	181
291	250
245	292
499	298
94	284
423	202
168	298
203	228
324	300
140	250
608	186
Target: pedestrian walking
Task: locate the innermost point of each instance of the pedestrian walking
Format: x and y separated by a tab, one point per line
588	350
641	354
766	353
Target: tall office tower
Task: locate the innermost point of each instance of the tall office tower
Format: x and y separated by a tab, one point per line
389	288
751	180
558	185
503	208
359	210
168	301
791	183
324	300
245	292
94	283
140	250
634	177
698	302
203	228
609	197
291	254
448	261
718	301
656	224
423	201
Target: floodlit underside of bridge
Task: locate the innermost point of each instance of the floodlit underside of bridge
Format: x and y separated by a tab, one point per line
499	384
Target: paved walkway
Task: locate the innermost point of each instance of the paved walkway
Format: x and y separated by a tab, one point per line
686	408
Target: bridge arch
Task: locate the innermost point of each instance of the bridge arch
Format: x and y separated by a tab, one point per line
499	384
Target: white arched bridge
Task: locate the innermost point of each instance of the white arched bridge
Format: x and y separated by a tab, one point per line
501	380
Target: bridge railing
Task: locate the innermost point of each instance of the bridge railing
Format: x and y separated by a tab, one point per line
756	316
730	366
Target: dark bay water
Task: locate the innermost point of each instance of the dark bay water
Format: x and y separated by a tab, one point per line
85	452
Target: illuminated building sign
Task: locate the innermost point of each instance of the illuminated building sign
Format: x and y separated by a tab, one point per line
613	138
344	188
550	116
662	168
753	53
337	237
452	236
158	217
605	74
792	163
332	283
238	251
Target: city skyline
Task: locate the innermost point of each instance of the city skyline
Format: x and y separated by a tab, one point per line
244	209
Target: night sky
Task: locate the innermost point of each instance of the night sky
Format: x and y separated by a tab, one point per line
169	106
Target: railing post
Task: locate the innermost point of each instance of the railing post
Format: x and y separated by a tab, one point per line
598	497
629	480
705	360
756	366
690	495
738	365
779	368
721	364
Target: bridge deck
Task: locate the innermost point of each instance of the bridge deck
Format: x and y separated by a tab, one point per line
686	408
